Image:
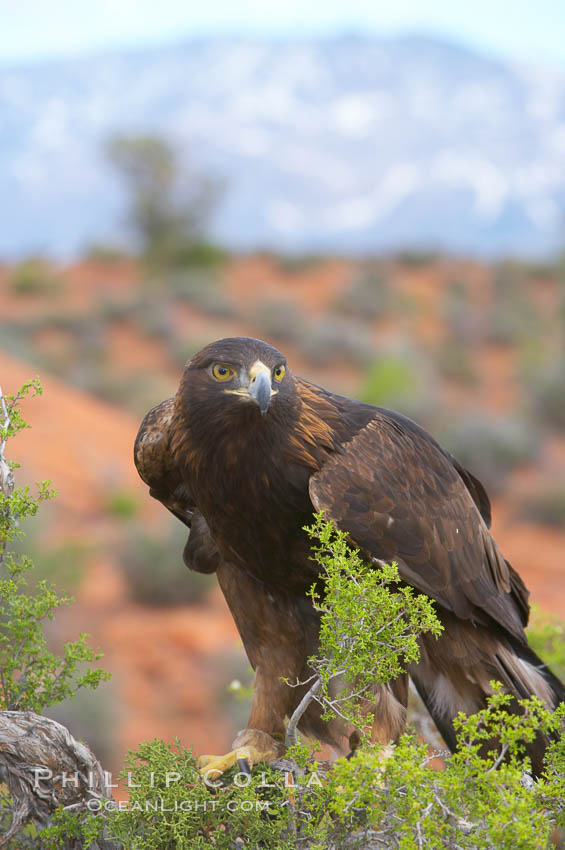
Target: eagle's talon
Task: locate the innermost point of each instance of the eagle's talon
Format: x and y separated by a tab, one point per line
244	766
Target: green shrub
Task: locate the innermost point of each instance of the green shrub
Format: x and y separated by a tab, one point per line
200	254
123	504
153	566
203	289
92	717
235	697
136	392
388	380
189	284
297	263
181	350
33	276
456	361
380	797
168	206
508	281
106	253
384	617
175	251
546	508
511	319
108	310
367	296
489	447
405	804
332	341
402	383
153	317
32	677
546	635
510	322
541	270
546	386
280	319
417	258
462	321
172	808
214	302
60	562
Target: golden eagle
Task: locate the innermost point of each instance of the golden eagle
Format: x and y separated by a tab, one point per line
246	452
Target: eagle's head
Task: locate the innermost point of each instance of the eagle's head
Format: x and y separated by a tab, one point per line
240	378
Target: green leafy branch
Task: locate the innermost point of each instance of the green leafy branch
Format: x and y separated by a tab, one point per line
16	503
31	676
370	624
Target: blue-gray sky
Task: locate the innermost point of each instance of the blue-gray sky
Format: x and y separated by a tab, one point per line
38	29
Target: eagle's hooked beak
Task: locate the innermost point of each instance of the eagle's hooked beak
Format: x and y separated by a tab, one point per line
260	390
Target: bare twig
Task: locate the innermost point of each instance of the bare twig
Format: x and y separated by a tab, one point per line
6	474
309	696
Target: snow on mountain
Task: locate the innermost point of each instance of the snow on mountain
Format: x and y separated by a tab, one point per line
345	144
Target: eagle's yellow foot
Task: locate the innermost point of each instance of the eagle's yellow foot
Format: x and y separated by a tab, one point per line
251	747
213	766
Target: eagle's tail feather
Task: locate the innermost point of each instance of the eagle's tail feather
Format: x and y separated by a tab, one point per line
529	676
464	688
553	684
441	718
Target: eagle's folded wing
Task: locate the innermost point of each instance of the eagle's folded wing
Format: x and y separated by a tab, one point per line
401	498
156	465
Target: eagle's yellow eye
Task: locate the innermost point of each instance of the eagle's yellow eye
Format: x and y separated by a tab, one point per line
278	373
223	372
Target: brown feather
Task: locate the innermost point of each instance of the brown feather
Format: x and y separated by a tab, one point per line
418	512
155	462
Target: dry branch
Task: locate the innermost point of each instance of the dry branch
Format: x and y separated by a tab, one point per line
45	768
6	474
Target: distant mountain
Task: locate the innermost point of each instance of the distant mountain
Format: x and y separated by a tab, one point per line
346	144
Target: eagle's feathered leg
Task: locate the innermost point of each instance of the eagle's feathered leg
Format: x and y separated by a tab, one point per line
278	638
389	711
388	705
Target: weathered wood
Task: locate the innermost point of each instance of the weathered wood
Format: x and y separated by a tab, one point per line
45	768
